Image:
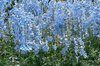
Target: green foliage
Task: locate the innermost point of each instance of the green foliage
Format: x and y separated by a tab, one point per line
51	58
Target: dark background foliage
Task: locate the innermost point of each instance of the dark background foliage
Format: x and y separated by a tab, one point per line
51	58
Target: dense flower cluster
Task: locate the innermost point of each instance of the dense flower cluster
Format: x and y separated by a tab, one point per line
37	23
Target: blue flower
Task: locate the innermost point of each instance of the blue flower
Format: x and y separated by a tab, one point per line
23	52
45	48
49	38
17	48
63	52
76	50
36	51
77	58
36	48
55	47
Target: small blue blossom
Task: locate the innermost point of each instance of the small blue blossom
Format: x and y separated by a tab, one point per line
17	48
45	48
23	52
55	47
49	38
